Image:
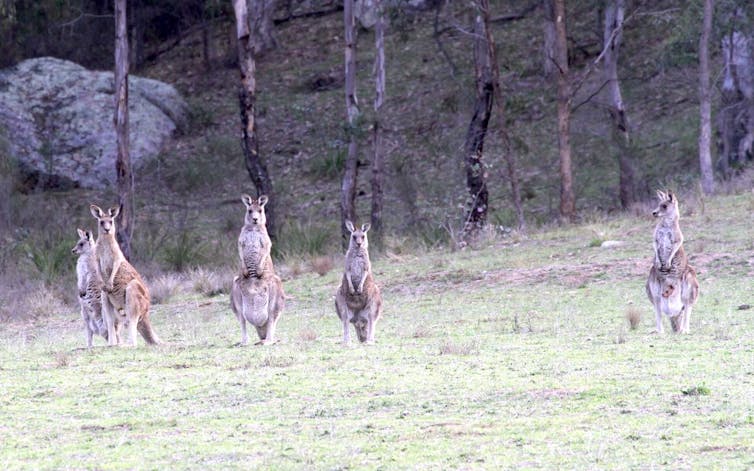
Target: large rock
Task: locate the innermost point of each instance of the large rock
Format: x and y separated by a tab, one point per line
57	119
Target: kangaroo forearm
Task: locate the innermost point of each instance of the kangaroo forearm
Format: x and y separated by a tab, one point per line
361	283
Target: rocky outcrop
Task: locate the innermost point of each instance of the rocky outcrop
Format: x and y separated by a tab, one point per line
56	119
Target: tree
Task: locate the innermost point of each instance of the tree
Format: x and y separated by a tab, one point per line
248	48
124	175
476	171
736	115
510	161
565	98
612	36
548	48
350	175
705	106
379	97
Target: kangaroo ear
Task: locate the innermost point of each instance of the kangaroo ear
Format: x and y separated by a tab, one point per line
263	200
247	200
670	196
81	233
365	227
349	225
89	235
114	211
96	211
660	195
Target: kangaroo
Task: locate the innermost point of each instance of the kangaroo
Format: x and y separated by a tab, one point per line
89	286
254	243
358	298
259	301
125	297
672	286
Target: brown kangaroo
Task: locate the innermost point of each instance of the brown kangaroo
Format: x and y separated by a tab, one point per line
125	297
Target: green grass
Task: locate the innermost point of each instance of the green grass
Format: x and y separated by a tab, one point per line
501	357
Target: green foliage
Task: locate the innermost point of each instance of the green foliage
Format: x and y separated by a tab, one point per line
701	390
50	254
330	166
187	250
298	240
201	115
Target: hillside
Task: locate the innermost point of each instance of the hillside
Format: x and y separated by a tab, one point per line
515	355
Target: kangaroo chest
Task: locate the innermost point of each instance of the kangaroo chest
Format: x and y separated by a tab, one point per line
105	258
664	241
358	267
254	245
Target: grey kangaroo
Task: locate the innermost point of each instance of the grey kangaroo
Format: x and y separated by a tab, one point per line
672	286
89	286
358	300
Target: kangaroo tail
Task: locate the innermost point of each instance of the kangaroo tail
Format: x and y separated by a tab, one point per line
145	329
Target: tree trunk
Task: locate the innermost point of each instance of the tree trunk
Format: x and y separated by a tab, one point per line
548	49
613	34
348	186
379	97
565	97
247	98
476	173
206	26
510	160
124	176
262	25
736	116
705	105
137	35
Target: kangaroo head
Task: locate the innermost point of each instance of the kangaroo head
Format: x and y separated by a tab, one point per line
255	210
106	221
358	236
85	244
667	206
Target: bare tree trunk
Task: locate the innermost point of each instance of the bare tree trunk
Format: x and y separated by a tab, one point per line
137	34
510	160
705	105
348	186
736	116
262	25
613	34
379	97
247	98
206	42
548	49
124	176
565	97
476	173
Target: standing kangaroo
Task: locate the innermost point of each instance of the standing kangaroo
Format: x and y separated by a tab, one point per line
258	301
254	243
257	294
358	298
89	286
672	286
125	297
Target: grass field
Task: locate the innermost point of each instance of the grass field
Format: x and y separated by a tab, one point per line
516	354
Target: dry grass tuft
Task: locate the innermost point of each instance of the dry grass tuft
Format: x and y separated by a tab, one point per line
633	316
62	360
164	287
450	347
322	265
621	337
421	332
209	282
307	335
